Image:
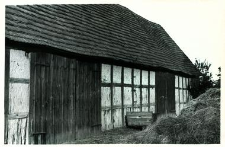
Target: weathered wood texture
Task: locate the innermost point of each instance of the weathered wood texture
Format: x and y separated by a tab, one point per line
6	98
17	98
165	93
88	105
65	96
138	119
124	90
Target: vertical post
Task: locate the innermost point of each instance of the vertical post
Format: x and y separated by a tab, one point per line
77	76
179	92
6	101
148	91
156	96
188	86
183	90
166	97
111	89
99	94
132	84
122	94
32	98
140	90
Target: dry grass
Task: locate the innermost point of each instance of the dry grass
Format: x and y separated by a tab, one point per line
199	123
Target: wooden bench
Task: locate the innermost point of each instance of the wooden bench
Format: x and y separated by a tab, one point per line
138	119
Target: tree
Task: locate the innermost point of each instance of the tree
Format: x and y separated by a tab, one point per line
204	81
217	82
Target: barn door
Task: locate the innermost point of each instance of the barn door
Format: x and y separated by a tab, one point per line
52	99
65	99
165	92
88	99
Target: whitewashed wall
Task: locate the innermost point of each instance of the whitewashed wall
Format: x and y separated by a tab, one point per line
120	93
19	93
182	95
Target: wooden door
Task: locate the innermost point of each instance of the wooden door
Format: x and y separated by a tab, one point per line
52	99
88	99
65	100
165	92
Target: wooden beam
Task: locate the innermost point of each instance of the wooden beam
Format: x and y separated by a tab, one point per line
51	100
6	101
148	91
179	93
19	80
122	94
156	96
111	89
76	98
126	85
32	99
132	88
18	115
141	90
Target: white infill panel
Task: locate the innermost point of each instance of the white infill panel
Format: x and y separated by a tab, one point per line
187	86
106	73
144	77
176	81
184	82
181	93
105	97
19	64
145	99
152	100
152	91
106	108
137	99
117	74
180	82
185	97
152	78
18	129
19	97
117	106
184	92
117	96
106	120
127	100
190	97
127	75
117	118
136	77
177	104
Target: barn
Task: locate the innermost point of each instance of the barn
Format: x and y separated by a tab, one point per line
72	71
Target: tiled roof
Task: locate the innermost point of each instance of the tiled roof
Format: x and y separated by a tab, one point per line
100	30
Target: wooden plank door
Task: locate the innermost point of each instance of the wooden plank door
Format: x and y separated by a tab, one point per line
52	99
165	92
88	99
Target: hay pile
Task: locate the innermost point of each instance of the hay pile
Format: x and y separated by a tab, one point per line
199	123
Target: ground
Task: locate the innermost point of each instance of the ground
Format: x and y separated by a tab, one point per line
115	136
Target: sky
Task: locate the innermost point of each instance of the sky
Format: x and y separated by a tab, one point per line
197	26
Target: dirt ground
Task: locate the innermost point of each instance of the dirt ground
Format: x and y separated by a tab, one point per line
115	136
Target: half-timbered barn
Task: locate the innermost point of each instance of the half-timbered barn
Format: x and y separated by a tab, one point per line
72	71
